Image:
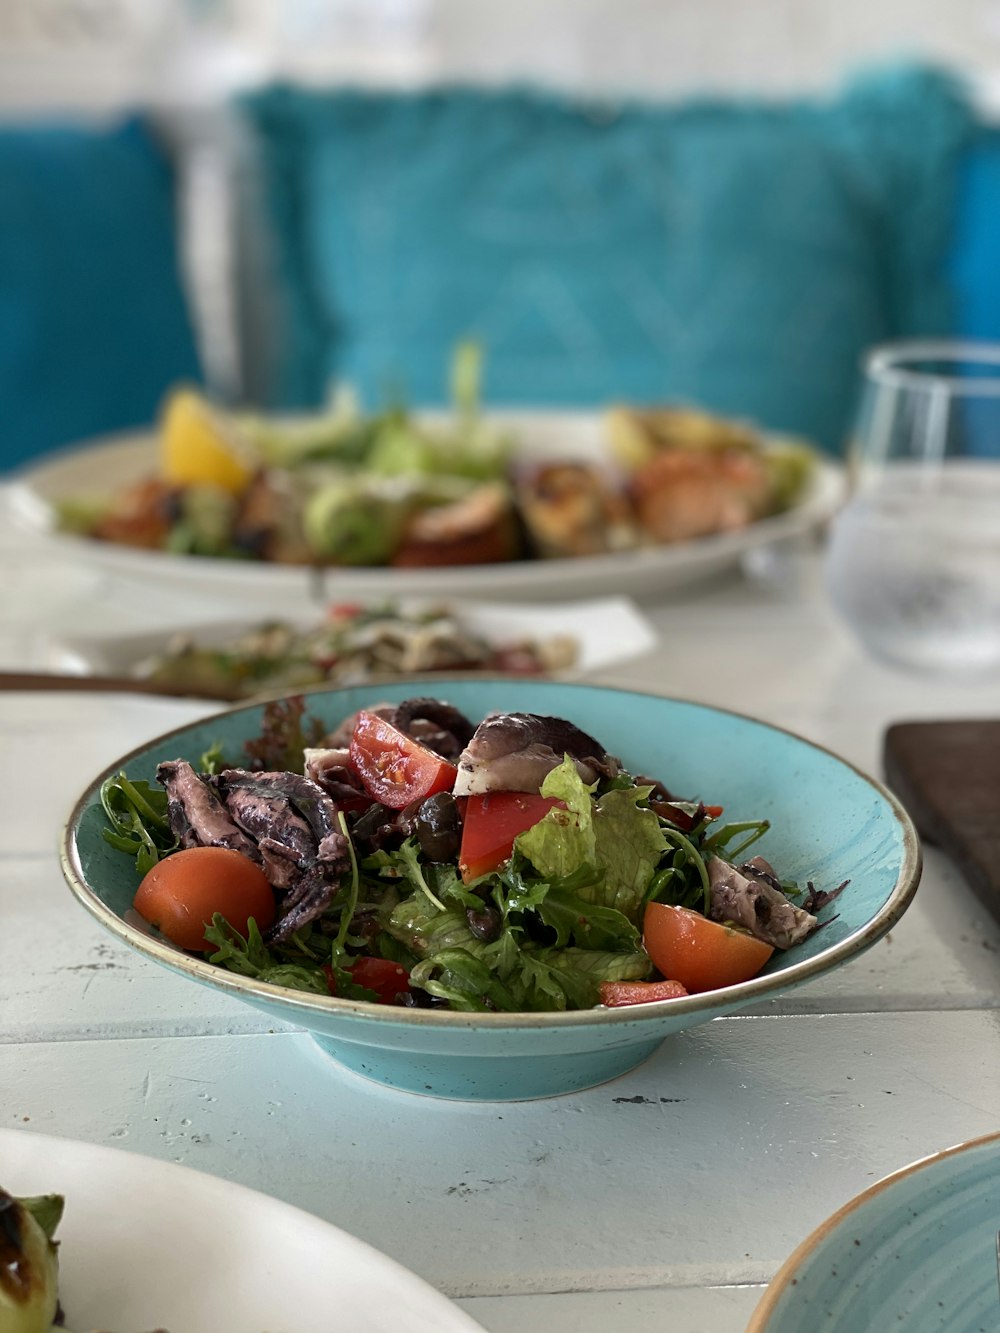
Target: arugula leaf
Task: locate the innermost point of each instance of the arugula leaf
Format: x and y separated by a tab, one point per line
439	882
137	814
344	984
249	956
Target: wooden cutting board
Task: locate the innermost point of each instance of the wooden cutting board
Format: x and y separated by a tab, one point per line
947	774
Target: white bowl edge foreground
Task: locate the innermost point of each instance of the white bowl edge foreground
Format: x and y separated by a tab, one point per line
148	1244
829	822
106	464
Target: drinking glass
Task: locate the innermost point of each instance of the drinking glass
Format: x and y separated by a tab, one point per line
913	563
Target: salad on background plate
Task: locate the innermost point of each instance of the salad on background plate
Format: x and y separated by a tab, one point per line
415	857
346	488
355	643
563	515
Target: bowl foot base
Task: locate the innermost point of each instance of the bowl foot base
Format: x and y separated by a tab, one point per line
496	1079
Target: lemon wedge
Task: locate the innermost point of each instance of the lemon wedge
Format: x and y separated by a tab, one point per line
197	446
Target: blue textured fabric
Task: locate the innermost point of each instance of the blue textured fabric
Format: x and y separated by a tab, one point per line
975	261
93	322
739	255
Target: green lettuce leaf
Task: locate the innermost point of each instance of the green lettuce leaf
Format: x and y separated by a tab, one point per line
615	835
566	906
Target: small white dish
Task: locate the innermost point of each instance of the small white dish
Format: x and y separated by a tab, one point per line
146	1244
607	631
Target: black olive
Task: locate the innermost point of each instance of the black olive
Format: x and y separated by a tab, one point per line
485	924
380	827
421	999
438	827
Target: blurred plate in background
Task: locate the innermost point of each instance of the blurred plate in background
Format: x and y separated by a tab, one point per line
604	632
108	465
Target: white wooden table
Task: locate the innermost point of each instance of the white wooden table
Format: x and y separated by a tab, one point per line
664	1200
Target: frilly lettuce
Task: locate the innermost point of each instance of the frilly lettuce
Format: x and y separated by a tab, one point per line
621	840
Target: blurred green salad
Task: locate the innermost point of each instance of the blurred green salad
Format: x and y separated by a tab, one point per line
354	488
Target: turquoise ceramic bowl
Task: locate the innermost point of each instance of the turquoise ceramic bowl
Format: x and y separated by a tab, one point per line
916	1252
828	823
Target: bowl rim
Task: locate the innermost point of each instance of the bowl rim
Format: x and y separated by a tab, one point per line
805	1250
306	1002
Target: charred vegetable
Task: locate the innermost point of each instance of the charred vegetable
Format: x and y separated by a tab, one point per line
29	1267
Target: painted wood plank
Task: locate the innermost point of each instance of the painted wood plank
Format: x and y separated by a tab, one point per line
702	1168
658	1310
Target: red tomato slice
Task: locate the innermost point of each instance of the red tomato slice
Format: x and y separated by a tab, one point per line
701	954
492	822
393	767
388	980
616	993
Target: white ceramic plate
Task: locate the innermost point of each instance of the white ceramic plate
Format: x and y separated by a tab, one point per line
607	631
146	1244
106	465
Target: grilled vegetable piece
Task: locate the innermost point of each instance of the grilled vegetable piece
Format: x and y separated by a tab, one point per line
573	509
682	494
29	1267
350	523
637	435
478	529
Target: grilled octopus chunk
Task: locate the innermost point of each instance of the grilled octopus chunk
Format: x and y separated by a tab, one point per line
432	722
195	813
751	897
331	769
436	724
283	803
516	751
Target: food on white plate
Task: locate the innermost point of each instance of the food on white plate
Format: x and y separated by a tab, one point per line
351	645
29	1264
413	856
349	489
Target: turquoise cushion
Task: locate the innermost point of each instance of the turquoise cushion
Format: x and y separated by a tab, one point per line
93	322
736	255
975	263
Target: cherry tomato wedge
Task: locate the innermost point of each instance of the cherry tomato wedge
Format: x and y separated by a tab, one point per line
393	767
617	993
699	953
182	893
492	822
388	980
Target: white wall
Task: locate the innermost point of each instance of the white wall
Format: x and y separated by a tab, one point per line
102	53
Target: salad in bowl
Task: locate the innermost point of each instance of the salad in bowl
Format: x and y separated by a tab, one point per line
454	892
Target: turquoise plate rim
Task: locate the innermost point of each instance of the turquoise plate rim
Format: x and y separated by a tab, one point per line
736	996
781	1283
